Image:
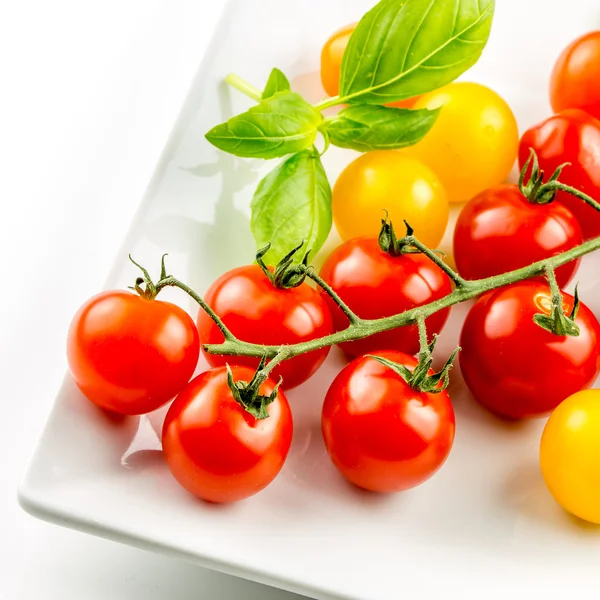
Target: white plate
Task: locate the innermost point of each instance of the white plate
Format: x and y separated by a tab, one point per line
485	516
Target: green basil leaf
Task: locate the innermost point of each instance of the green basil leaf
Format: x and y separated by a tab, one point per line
277	82
282	124
365	127
402	48
292	203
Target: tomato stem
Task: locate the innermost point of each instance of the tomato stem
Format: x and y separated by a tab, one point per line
557	322
170	281
435	257
244	86
352	316
368	327
420	377
558	186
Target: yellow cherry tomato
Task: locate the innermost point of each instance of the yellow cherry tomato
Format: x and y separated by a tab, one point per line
389	180
331	64
570	455
331	59
474	142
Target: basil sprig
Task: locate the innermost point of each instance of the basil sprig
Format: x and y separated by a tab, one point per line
400	49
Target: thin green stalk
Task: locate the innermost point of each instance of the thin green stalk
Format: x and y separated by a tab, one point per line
558	186
352	316
435	257
328	103
170	281
243	86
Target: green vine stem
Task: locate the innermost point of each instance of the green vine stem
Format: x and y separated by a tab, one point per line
362	328
365	328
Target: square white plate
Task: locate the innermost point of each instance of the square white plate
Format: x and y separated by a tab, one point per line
486	516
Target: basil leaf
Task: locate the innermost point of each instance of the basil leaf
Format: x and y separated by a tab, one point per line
402	48
280	125
292	203
277	82
365	127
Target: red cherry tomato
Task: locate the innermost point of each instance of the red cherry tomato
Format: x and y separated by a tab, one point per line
515	368
380	433
256	311
131	355
215	448
374	285
575	82
500	230
571	136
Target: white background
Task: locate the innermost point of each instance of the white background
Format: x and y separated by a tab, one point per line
89	93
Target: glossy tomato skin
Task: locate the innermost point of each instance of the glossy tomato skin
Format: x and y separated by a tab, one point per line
216	449
381	434
500	230
255	311
131	355
570	455
393	181
473	143
515	368
331	64
575	82
571	136
375	284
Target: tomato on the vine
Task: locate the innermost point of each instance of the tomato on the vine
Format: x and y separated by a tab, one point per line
389	180
571	136
331	64
570	455
575	82
215	448
500	230
473	144
514	367
375	284
129	354
256	311
381	434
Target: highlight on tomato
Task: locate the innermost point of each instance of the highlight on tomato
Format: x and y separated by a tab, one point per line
221	444
570	455
376	279
574	82
393	181
571	136
473	143
131	354
507	227
523	354
266	305
381	433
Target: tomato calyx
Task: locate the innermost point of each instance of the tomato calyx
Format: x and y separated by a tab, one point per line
144	286
422	378
247	394
535	190
287	274
389	242
557	322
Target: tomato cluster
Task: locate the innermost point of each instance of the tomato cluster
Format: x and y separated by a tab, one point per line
387	419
